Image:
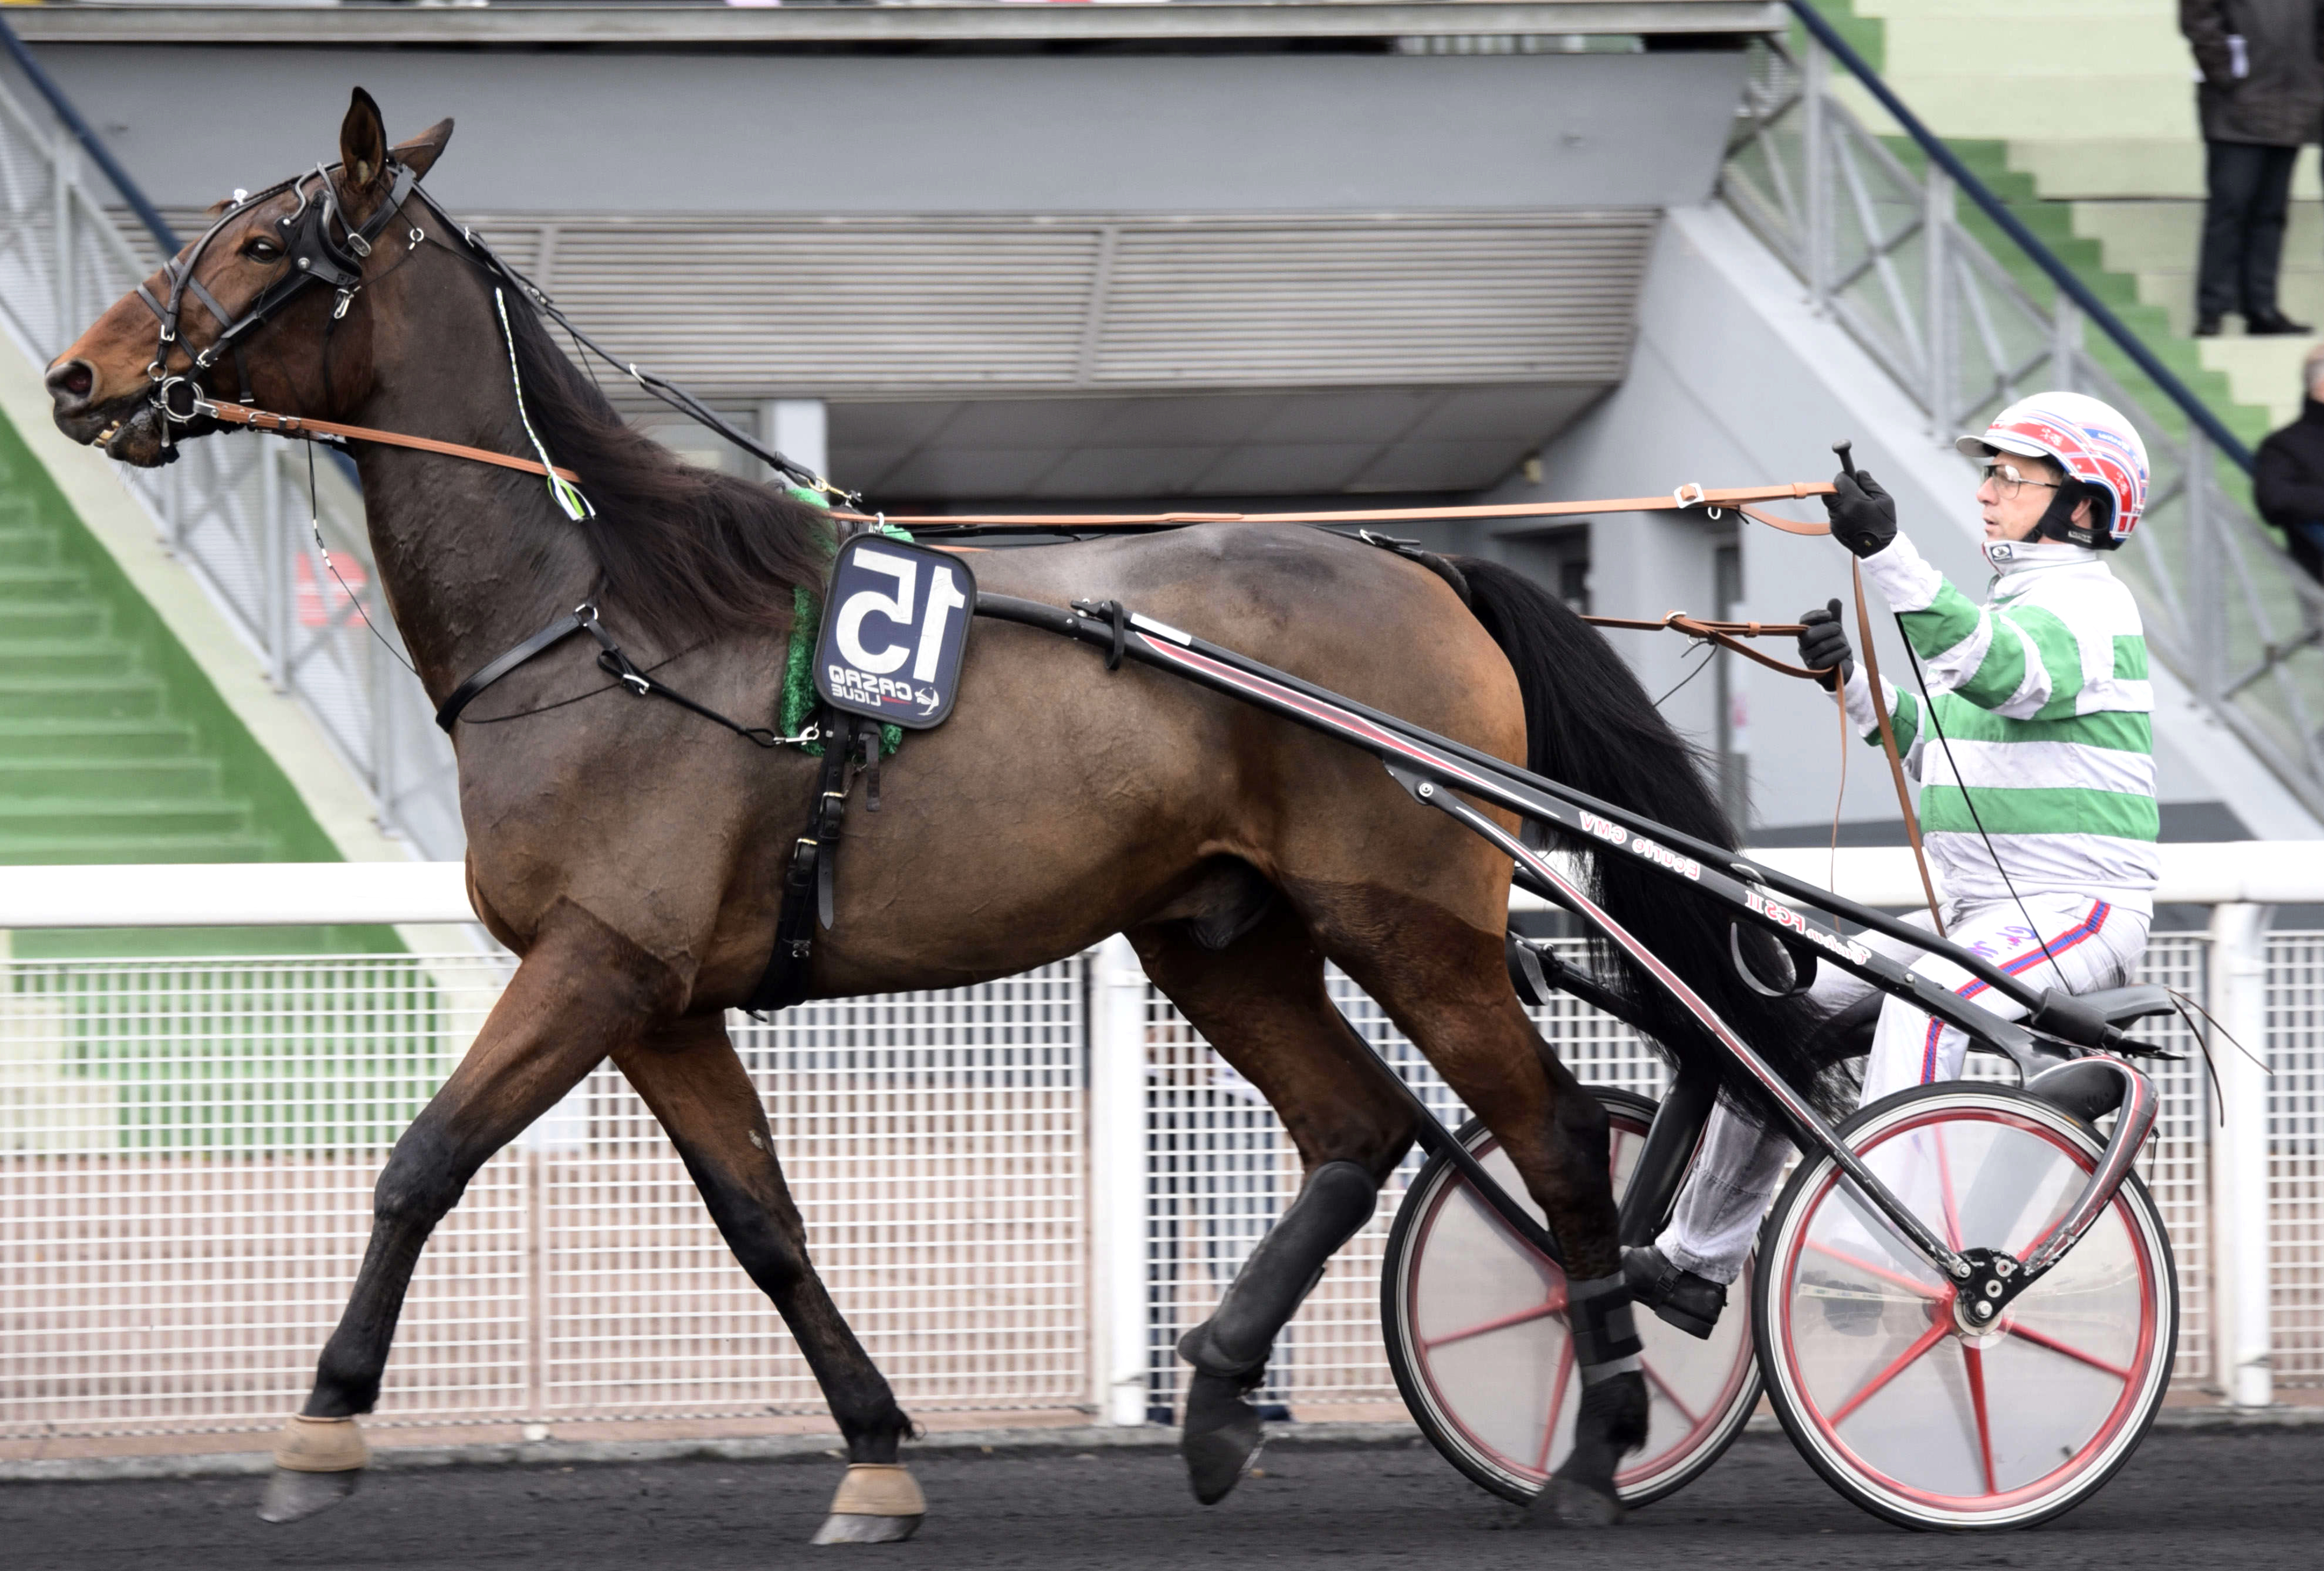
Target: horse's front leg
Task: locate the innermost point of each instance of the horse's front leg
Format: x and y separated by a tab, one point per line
583	992
690	1074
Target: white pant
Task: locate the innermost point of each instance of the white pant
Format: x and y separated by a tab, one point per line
2091	944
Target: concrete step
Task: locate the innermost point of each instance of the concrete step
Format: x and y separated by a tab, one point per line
66	657
82	778
2265	371
94	738
37	820
2117	12
65	698
1956	40
2059	106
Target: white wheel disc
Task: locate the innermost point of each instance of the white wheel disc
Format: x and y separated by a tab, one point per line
1477	1318
1883	1391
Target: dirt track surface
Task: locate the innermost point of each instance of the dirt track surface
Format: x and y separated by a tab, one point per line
2246	1498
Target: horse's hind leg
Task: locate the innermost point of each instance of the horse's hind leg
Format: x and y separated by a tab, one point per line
690	1074
1261	1003
582	992
1444	983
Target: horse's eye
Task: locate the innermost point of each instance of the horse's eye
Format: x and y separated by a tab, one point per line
262	251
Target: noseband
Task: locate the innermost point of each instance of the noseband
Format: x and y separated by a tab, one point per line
312	242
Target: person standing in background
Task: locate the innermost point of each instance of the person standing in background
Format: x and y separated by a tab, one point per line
2288	479
2261	97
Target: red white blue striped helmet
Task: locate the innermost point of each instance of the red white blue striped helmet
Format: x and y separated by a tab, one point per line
2089	441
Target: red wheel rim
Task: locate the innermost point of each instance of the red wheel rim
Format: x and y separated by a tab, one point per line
1995	1502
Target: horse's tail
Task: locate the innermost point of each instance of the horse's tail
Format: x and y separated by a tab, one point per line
1591	725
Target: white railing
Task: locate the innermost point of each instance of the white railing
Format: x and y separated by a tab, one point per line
1879	245
237	510
1021	1192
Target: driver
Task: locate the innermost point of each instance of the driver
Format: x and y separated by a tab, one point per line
2043	842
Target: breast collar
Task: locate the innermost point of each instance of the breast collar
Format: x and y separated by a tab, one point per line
313	245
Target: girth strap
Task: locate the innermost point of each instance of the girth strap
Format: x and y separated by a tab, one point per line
806	882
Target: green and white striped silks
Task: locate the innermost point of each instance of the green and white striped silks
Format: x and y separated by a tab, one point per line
2042	692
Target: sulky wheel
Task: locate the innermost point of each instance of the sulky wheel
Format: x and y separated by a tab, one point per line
1899	1408
1481	1352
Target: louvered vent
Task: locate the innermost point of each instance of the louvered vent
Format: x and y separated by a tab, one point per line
744	307
1544	298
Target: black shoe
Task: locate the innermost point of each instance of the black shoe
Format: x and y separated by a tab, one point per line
1850	1307
2275	325
2206	327
1681	1297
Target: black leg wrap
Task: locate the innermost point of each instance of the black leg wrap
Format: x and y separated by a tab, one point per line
1336	1201
1230	1350
1612	1421
1605	1327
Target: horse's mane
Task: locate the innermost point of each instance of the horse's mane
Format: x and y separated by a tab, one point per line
686	552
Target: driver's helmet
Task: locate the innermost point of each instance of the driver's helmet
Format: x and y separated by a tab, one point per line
2089	440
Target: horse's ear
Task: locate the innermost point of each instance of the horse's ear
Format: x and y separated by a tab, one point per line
363	143
419	154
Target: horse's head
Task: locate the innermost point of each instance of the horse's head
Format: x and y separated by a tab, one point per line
260	297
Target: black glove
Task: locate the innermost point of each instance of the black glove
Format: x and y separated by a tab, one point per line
1824	646
1863	516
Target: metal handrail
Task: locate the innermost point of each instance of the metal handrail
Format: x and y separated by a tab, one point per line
2024	239
46	86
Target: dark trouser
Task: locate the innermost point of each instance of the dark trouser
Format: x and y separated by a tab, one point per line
2242	228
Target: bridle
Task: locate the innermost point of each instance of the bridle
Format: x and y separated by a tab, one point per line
322	248
318	256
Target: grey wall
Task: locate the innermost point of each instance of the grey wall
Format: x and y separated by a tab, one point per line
704	133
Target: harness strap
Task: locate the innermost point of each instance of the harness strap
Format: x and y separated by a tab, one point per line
332	430
807	881
447	714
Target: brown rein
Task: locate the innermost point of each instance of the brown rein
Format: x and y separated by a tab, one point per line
1678	500
299	426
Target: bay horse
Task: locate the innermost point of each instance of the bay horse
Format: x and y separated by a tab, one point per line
633	856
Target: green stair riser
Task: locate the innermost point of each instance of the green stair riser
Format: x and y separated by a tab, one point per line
63	659
135	849
27	548
131	699
53	619
35	820
108	742
80	776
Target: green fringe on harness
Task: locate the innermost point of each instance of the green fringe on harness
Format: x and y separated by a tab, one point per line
799	697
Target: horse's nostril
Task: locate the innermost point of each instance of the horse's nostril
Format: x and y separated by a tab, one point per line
75	380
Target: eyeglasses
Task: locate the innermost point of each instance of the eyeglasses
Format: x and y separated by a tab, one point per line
2007	478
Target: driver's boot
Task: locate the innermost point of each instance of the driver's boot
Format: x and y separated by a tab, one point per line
1678	1297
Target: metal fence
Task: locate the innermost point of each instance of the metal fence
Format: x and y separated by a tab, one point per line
240	510
187	1150
1879	244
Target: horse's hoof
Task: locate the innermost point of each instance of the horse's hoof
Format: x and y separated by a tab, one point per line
842	1527
292	1496
1222	1438
877	1503
1571	1503
316	1464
